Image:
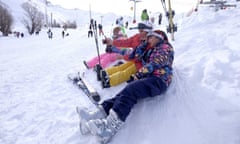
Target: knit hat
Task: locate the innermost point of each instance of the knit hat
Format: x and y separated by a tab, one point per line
145	26
156	33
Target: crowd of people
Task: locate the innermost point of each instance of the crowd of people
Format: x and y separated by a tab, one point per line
120	22
146	66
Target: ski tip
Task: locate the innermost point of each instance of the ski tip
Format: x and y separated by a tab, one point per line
75	77
96	98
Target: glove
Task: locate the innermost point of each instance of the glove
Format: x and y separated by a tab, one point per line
140	49
134	77
138	75
108	49
126	51
107	41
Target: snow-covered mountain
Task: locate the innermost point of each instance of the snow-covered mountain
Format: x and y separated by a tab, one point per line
202	105
61	15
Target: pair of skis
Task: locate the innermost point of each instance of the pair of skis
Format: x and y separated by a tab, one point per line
171	28
83	84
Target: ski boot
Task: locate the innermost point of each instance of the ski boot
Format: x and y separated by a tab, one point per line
86	115
105	128
98	69
105	79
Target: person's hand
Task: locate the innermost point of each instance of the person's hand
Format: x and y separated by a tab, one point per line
107	41
138	75
134	77
108	49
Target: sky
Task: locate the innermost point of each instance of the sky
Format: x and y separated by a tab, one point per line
201	106
124	6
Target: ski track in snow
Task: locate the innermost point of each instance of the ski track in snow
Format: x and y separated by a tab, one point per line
38	101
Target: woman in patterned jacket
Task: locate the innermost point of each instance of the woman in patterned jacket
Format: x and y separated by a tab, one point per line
151	80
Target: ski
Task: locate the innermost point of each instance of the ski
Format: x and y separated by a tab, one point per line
85	87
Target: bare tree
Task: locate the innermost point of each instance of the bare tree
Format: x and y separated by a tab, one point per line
34	18
6	21
70	24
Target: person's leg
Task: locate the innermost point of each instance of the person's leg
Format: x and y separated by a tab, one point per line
118	74
121	105
108	104
92	62
122	76
134	91
108	59
115	69
124	100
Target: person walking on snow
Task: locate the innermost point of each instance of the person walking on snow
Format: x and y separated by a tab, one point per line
144	15
100	29
63	34
90	32
50	34
151	80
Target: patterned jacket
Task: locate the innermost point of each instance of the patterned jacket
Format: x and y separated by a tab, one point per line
158	61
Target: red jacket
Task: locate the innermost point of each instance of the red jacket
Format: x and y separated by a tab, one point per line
131	42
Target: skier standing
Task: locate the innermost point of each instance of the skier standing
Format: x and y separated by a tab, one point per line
160	19
50	34
63	34
90	32
126	24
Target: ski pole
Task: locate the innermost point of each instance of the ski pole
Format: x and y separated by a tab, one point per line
96	41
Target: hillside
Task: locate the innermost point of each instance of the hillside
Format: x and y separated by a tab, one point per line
202	105
61	15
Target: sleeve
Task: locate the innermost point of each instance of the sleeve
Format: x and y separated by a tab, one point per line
121	51
132	42
159	58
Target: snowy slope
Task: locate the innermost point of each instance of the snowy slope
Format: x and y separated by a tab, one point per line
57	13
202	106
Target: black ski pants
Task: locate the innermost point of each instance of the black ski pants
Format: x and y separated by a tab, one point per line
124	101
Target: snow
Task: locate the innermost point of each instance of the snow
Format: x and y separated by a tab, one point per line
202	105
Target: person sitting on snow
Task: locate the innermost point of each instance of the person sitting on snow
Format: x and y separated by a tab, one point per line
107	58
113	76
151	80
